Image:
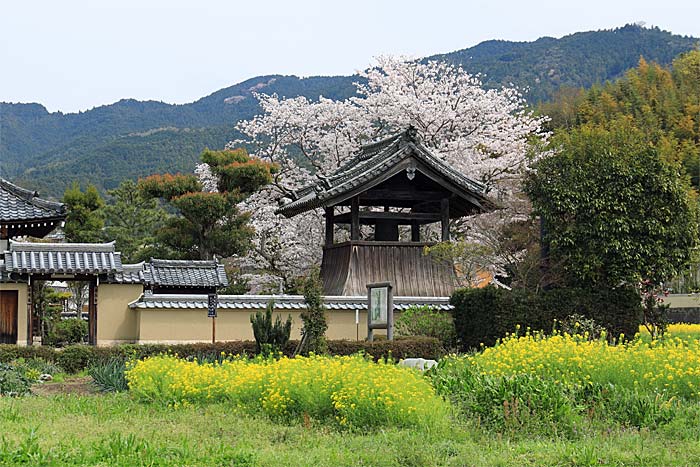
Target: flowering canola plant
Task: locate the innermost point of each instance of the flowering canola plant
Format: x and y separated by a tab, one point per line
677	329
351	390
670	367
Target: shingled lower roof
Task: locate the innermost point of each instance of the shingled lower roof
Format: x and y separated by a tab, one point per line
130	274
282	302
20	205
185	273
374	161
62	258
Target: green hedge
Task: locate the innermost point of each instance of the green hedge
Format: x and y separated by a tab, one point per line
78	357
485	315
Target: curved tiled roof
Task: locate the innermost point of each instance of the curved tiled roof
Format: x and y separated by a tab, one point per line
130	274
184	273
18	204
373	161
62	258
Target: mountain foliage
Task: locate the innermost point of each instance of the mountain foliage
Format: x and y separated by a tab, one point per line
663	103
131	139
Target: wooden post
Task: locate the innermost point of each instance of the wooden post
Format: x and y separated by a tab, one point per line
213	330
30	324
445	219
330	215
415	232
355	219
92	313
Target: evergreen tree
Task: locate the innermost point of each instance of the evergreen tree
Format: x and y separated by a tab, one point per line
133	220
209	222
613	210
84	219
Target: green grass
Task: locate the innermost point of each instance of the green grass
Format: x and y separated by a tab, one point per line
114	430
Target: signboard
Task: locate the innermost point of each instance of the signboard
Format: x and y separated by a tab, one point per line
380	309
213	304
379	303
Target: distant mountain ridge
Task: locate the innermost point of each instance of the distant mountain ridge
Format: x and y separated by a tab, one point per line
133	138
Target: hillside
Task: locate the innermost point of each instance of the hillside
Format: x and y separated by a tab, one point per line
131	138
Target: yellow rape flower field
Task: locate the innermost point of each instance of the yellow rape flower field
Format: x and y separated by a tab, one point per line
350	391
670	366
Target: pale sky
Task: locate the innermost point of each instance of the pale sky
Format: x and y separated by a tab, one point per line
72	55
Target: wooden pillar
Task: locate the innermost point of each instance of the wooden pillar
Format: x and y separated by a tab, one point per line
445	219
415	232
30	323
92	313
330	224
355	219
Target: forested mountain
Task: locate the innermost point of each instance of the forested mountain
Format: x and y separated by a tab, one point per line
662	105
130	138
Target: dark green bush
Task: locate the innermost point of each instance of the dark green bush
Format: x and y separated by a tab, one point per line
67	332
270	337
10	352
427	321
400	348
485	315
76	358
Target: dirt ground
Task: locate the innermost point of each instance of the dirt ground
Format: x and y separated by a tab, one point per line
78	385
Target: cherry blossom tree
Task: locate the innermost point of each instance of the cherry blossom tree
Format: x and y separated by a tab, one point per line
485	134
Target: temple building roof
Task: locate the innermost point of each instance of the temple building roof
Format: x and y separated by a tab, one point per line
378	162
21	206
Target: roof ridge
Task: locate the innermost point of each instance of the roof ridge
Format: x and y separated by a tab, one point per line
184	262
108	247
17	190
32	197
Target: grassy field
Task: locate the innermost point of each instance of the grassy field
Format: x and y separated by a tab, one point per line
529	401
114	430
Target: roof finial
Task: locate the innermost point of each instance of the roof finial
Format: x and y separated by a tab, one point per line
411	132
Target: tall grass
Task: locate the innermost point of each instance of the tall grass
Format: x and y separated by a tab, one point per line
109	375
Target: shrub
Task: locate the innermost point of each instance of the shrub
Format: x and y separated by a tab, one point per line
314	316
403	347
67	332
482	316
13	382
10	352
270	337
109	376
429	322
35	366
76	358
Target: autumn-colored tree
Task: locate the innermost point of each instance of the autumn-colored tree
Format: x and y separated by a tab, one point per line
209	222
